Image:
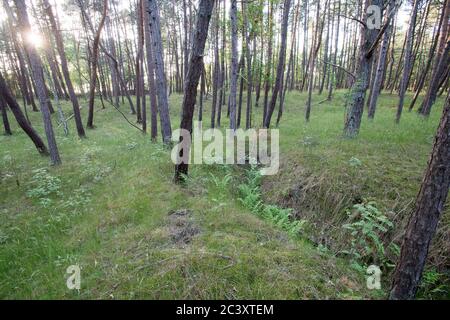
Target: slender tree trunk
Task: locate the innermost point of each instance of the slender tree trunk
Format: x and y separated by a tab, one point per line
216	71
379	72
431	53
333	81
407	60
281	63
65	68
442	62
161	82
425	218
94	67
267	80
312	60
234	64
241	89
358	92
248	55
151	80
194	71
38	76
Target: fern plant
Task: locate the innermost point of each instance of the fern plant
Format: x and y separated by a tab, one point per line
365	233
250	197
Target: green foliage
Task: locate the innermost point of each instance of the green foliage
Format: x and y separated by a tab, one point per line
434	285
250	197
44	186
365	232
355	162
221	184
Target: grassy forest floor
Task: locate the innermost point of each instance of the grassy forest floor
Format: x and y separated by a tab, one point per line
112	209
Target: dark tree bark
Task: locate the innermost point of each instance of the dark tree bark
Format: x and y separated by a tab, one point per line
139	67
5	119
151	80
442	62
65	68
241	89
234	64
267	80
161	82
359	88
20	118
194	71
431	53
428	209
381	65
38	76
248	56
94	67
407	60
312	60
216	71
333	81
281	63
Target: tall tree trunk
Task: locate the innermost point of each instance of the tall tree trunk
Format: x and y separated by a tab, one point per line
139	64
281	63
407	59
312	60
267	80
442	62
161	82
65	68
216	71
234	64
428	209
151	80
359	88
38	76
381	65
94	67
333	76
194	71
248	56
424	73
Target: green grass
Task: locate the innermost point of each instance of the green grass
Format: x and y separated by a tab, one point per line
323	174
110	210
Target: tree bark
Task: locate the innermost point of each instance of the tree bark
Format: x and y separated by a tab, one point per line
194	71
234	64
161	82
20	117
38	76
281	63
381	65
94	67
151	80
4	111
65	69
358	92
428	209
407	60
442	62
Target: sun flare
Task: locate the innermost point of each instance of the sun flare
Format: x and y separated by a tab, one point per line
35	39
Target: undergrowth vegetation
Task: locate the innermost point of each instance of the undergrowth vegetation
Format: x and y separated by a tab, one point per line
250	196
335	207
